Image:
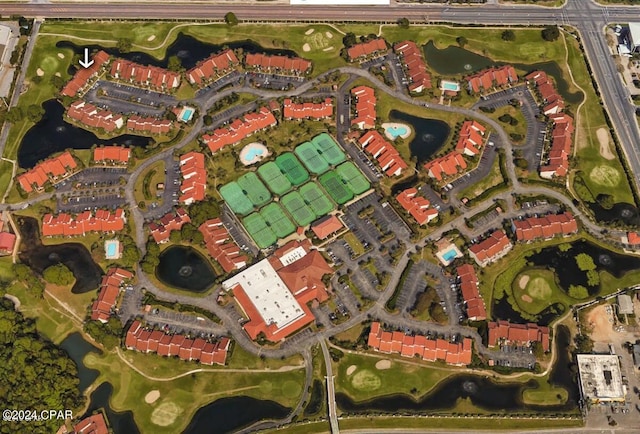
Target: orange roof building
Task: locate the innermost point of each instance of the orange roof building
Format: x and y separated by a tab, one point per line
494	247
221	246
326	226
633	238
492	77
148	125
447	166
145	75
557	157
277	64
53	169
68	226
384	152
239	129
108	293
366	50
307	110
414	66
471	138
82	76
161	231
91	116
365	107
194	178
552	101
7	242
417	206
112	154
213	68
505	333
544	228
94	424
476	310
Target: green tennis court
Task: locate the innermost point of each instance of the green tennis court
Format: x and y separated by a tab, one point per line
277	220
318	201
353	177
254	189
236	199
335	186
274	178
299	210
311	158
328	148
292	169
259	230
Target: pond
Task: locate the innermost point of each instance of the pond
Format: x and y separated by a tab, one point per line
77	348
455	60
120	422
230	414
622	212
502	309
53	134
482	391
185	268
429	134
74	255
188	49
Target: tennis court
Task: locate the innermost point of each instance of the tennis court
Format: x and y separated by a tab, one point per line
277	220
259	230
318	201
273	177
254	189
311	158
292	169
328	149
236	199
352	176
299	210
336	188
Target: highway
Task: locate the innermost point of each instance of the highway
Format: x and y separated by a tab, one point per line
588	17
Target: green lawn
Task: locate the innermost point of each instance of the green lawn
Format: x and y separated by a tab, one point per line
356	245
434	423
145	187
535	289
520	128
6	169
493	179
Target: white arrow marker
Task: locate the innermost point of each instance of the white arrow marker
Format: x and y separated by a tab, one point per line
86	63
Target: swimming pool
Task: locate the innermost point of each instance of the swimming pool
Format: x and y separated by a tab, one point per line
186	114
397	131
450	85
111	248
253	153
449	255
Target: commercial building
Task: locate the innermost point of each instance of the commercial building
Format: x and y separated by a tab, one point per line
505	333
634	37
625	305
326	226
600	378
494	247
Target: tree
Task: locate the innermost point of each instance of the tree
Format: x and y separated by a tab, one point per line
349	39
508	35
550	33
57	82
15	115
107	334
521	163
197	238
151	258
124	45
403	23
605	200
175	237
585	262
174	63
130	254
462	41
58	274
593	278
207	120
578	291
35	112
203	211
584	344
231	19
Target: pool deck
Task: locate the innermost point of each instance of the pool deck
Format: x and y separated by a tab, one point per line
247	148
440	254
396	125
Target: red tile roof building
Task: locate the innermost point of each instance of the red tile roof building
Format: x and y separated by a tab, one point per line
449	165
307	110
161	231
414	65
326	226
82	76
145	75
544	228
112	154
633	238
207	353
7	242
492	77
108	293
66	225
494	247
151	125
458	354
505	333
365	50
471	138
417	206
561	140
476	310
213	68
52	169
384	152
552	101
277	64
194	178
239	129
91	116
365	107
221	246
94	424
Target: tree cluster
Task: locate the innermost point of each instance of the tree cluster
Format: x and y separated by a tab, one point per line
152	258
202	211
106	334
58	274
24	275
550	33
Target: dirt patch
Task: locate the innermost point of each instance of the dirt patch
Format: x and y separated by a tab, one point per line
605	176
328	35
165	414
351	369
383	364
310	31
522	282
151	38
39	72
526	298
605	146
600	319
152	396
60	55
306	48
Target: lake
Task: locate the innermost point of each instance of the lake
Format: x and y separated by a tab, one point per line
120	422
429	134
77	348
622	212
53	134
75	256
185	268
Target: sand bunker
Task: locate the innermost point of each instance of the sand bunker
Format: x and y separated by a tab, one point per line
310	31
351	369
15	300
526	298
605	148
522	283
383	364
328	48
151	38
60	55
57	74
39	72
152	396
329	35
306	47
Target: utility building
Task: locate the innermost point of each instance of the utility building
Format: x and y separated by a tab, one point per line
600	378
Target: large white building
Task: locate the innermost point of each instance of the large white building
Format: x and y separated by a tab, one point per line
600	378
634	36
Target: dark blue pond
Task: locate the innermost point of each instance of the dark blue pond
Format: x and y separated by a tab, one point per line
429	134
77	348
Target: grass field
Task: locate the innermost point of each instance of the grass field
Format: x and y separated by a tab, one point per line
145	188
493	179
535	289
6	169
520	128
354	242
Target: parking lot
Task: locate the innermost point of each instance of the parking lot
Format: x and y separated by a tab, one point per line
482	169
92	188
273	81
127	99
181	322
234	227
170	194
235	78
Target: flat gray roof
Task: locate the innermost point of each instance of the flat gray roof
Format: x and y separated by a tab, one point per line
600	377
